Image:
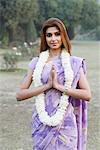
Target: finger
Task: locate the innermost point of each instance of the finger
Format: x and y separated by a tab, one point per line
53	67
51	73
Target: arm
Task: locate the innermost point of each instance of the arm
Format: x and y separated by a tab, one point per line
24	92
82	93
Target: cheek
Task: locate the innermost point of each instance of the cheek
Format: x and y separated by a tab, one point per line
60	39
48	40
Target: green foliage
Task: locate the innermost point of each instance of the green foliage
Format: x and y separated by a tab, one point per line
22	19
90	16
25	51
16	13
71	10
68	11
31	34
5	40
10	61
98	33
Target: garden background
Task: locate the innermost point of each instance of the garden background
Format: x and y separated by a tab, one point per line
20	26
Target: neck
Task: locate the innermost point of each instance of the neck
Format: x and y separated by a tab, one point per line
54	52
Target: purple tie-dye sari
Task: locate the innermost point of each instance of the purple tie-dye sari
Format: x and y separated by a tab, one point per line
72	133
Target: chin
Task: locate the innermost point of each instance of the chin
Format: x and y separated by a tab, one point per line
55	47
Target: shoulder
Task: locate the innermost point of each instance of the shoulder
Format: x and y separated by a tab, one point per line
77	63
33	62
34	59
75	59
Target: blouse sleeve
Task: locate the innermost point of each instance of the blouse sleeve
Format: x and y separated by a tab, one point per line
32	63
78	64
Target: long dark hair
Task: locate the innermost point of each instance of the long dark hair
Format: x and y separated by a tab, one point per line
55	22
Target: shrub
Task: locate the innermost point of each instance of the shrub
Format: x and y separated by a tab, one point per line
5	40
10	60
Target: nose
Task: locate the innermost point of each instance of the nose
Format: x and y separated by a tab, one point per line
53	37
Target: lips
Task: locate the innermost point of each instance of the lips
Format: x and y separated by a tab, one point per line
54	44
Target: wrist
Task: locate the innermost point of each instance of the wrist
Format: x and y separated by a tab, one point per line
56	86
59	87
65	92
63	89
47	86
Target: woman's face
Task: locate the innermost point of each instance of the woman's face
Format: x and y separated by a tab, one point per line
53	38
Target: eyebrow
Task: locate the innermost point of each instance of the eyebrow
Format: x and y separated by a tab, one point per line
54	32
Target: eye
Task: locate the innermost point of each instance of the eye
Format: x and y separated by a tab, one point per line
57	33
48	34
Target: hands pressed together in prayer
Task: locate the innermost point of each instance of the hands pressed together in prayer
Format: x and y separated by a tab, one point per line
52	80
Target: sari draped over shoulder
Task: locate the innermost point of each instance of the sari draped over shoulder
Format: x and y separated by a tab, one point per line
72	133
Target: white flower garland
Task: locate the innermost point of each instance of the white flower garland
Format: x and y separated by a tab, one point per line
40	103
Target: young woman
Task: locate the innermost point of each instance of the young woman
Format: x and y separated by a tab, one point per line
61	92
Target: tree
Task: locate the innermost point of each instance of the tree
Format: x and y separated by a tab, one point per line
70	12
16	13
22	19
90	15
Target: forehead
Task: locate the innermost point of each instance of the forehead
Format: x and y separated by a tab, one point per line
52	30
